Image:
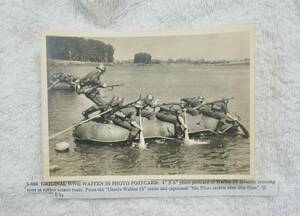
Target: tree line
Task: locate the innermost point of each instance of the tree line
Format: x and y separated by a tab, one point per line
143	58
79	49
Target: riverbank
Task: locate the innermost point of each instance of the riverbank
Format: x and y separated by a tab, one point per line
59	62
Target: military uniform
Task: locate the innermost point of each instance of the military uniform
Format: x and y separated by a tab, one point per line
218	110
126	118
89	85
174	115
220	107
92	78
93	93
147	104
192	104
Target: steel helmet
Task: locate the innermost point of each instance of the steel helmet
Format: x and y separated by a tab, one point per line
101	67
150	97
139	104
120	100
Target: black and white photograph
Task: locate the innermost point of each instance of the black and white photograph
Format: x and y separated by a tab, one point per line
165	104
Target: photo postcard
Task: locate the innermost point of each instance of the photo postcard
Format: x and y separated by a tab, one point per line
165	104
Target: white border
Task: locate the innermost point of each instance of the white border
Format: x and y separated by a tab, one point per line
154	33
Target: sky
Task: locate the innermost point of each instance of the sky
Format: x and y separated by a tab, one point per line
227	46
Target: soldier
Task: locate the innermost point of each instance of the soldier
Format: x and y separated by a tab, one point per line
147	103
173	114
93	78
126	118
219	111
93	93
220	106
193	104
90	86
114	104
56	76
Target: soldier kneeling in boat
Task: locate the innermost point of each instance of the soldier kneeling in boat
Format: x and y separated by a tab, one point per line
173	114
220	106
126	118
219	111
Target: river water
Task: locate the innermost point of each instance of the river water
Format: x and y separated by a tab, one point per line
169	83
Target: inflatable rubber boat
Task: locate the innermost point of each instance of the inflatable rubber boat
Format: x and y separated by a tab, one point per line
109	133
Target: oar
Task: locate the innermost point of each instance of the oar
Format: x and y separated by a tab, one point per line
186	131
243	128
50	87
80	123
142	144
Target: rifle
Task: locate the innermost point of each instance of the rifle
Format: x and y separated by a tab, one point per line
118	107
53	84
217	101
112	86
213	102
172	103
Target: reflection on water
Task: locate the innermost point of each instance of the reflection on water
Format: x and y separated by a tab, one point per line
169	83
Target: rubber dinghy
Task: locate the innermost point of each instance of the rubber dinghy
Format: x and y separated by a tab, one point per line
64	86
153	129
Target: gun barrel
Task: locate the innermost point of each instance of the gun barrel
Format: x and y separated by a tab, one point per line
116	85
216	101
175	103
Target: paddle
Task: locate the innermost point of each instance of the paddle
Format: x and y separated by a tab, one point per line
50	87
80	123
186	131
141	144
243	128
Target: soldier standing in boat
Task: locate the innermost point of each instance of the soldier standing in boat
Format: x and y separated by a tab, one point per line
90	86
173	113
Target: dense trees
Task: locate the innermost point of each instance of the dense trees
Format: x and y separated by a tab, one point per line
79	49
143	58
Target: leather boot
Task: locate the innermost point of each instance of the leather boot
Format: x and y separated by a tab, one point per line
178	132
219	125
130	139
89	111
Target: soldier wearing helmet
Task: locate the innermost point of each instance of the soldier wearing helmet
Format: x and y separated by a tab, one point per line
127	118
148	105
101	68
193	104
90	85
173	114
94	78
220	106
